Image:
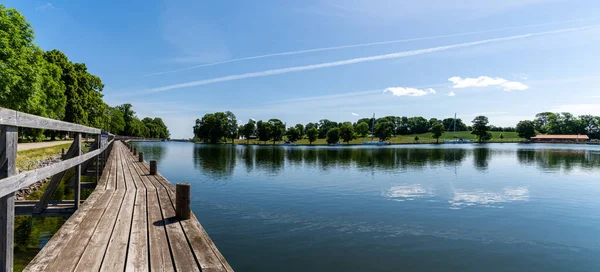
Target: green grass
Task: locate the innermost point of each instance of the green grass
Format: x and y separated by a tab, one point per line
424	138
27	159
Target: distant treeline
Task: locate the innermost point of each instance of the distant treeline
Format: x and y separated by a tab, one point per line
48	84
560	123
220	126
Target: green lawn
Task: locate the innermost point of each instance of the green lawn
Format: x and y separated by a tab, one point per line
408	139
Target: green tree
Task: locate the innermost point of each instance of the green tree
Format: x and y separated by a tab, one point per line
437	130
347	133
312	134
480	129
501	136
324	127
211	128
526	129
362	129
263	129
333	136
417	139
383	130
292	134
248	129
300	129
232	126
277	130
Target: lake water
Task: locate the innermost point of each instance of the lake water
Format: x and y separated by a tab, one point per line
493	207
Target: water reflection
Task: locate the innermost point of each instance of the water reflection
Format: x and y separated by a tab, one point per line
219	161
153	150
464	198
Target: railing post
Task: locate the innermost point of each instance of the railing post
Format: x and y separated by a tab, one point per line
98	146
152	167
8	157
134	151
77	171
182	201
140	157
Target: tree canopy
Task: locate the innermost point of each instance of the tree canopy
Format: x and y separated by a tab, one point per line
480	129
526	129
48	84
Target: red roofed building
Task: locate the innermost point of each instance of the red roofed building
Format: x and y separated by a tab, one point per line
560	138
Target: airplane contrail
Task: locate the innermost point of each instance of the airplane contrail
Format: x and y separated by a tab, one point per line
358	60
364	45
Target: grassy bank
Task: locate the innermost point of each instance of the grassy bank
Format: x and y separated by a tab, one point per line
424	138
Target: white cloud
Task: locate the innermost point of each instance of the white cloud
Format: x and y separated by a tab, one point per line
451	94
355	114
45	7
485	81
355	60
406	91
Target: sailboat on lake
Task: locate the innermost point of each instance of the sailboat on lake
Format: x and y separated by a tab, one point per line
456	141
372	142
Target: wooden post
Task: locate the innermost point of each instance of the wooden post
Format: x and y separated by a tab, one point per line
152	167
98	146
134	151
77	171
141	157
8	157
63	154
182	201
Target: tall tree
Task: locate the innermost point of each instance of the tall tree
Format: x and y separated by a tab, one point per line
263	129
277	130
437	130
347	133
526	129
300	129
333	136
292	134
232	126
248	129
211	128
480	129
383	130
324	126
312	134
362	129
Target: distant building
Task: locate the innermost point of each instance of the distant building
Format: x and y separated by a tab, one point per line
560	138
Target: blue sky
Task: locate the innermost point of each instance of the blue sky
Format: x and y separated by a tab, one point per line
341	60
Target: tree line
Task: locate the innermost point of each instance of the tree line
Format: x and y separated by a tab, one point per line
48	84
223	126
560	123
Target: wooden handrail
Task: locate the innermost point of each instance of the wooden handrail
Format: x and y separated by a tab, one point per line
22	180
19	119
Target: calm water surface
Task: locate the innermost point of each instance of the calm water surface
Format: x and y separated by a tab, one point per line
494	207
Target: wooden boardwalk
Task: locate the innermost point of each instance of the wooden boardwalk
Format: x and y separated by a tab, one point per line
128	224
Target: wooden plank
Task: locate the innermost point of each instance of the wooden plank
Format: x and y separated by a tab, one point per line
203	247
53	185
20	119
116	253
8	157
22	180
68	255
107	174
49	252
182	254
160	255
137	256
93	255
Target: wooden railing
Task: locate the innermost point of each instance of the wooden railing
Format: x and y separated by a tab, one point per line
11	181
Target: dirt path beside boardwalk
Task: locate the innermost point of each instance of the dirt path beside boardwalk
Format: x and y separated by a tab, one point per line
28	146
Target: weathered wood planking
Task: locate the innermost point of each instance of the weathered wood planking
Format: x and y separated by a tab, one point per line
129	227
16	182
204	249
160	255
8	156
51	250
18	119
